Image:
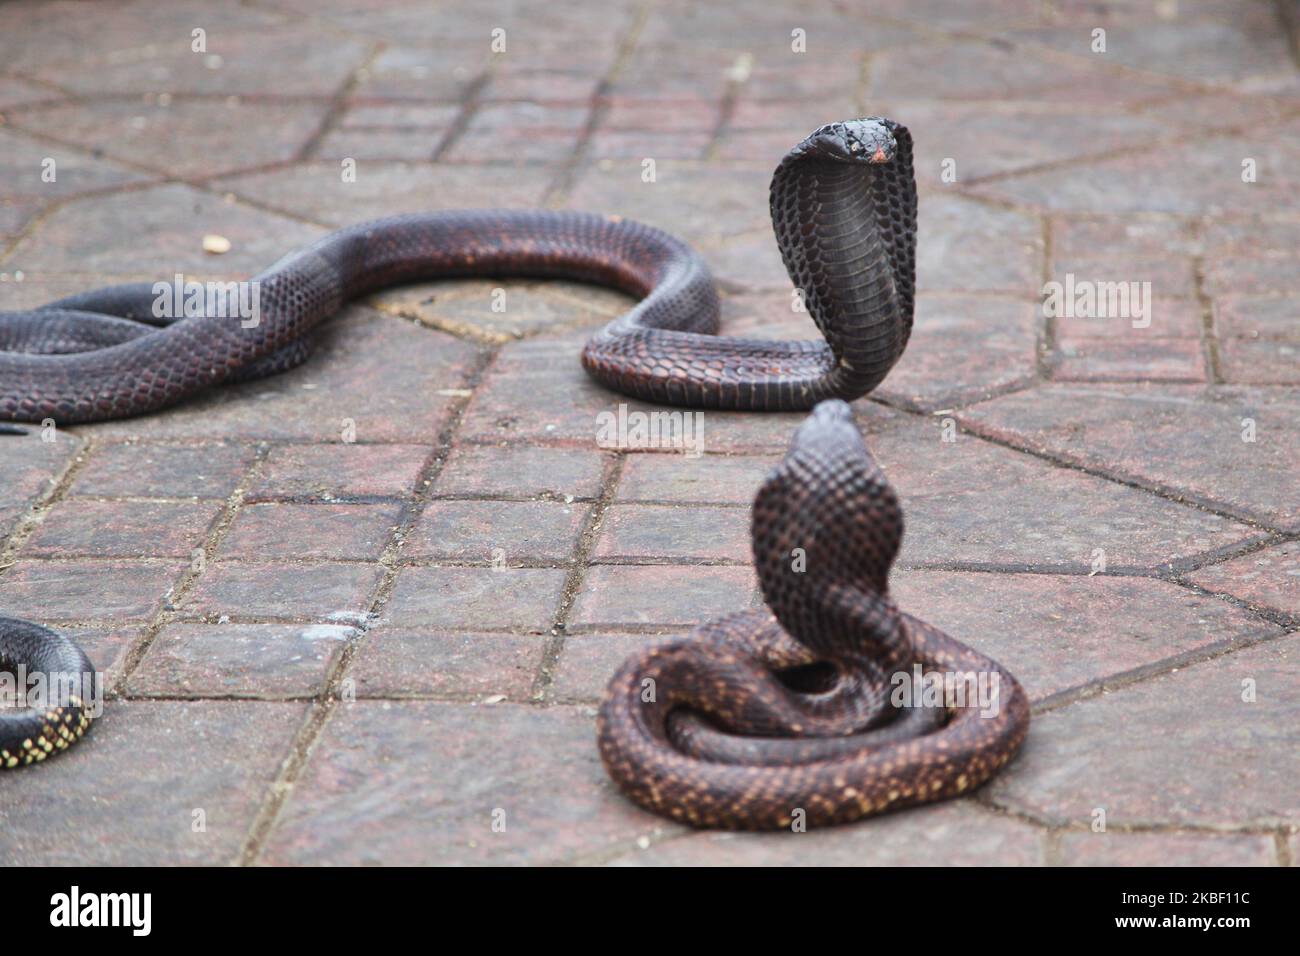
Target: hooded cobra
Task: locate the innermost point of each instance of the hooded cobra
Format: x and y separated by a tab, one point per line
833	706
843	205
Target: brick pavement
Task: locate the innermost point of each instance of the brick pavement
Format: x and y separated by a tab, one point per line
358	651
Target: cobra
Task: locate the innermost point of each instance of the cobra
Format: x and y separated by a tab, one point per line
843	205
761	719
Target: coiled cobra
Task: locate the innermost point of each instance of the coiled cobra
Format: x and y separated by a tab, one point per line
834	704
843	205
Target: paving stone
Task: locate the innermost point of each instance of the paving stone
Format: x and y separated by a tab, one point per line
128	793
703	480
27	165
1057	633
1097	359
697	30
699	203
1027	512
1167	849
683	115
750	260
366	145
150	470
30	467
979	72
566	84
1170	275
666	596
948	834
644	79
1259	339
555	28
237	61
1269	578
1250	234
14	92
526	471
1243	47
1184	438
168	224
520	130
14	216
435	662
756	110
640	532
22	290
476	598
994	13
119	590
1090	236
1249	274
327	591
588	661
444	73
279	530
500	310
497	531
1164	318
129	529
962	349
39	36
9	520
537	146
390	379
980	141
184	137
107	647
318	191
535	769
1208	184
1222	762
239	660
340	471
537	390
964	246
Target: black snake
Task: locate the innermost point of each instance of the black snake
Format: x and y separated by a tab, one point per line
843	205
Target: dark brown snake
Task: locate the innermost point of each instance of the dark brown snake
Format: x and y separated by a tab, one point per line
730	745
765	720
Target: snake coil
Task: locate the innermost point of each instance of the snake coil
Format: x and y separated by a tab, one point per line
833	704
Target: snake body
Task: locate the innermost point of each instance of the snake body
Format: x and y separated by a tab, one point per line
809	712
843	206
56	685
748	724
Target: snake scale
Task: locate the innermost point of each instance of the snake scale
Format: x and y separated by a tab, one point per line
760	716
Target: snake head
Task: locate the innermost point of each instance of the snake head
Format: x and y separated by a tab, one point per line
868	141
